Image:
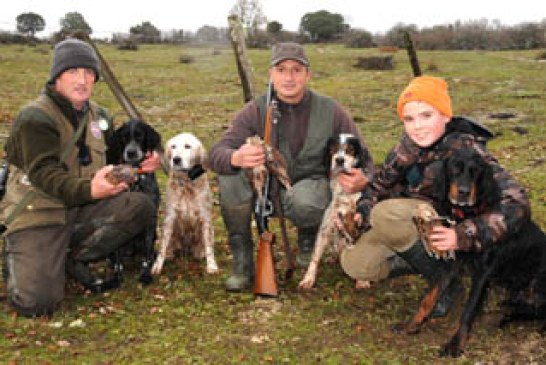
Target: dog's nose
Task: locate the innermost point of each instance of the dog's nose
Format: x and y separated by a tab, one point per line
463	190
131	154
463	193
340	161
177	160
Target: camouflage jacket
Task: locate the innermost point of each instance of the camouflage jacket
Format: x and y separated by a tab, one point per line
410	170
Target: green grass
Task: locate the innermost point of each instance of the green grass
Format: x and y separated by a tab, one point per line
186	316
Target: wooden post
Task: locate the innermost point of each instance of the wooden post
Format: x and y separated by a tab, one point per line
237	37
412	54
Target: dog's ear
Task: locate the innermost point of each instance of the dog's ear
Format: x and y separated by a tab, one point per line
168	151
440	184
326	154
488	188
202	156
114	144
360	153
153	138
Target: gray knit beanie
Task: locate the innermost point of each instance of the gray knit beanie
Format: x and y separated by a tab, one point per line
73	53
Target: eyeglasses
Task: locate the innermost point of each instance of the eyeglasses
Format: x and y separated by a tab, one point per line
84	155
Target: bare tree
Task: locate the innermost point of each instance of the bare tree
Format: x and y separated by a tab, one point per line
250	14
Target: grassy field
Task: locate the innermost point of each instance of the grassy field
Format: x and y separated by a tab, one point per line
185	316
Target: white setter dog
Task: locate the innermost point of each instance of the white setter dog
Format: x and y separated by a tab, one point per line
342	152
188	213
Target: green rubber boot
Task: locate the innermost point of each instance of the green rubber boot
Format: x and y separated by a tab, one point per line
398	267
237	221
430	268
306	243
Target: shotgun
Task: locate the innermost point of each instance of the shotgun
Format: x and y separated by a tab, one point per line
265	283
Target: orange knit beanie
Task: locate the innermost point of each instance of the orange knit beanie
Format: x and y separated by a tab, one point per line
430	89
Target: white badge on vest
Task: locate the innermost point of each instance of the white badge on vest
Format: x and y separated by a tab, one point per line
95	129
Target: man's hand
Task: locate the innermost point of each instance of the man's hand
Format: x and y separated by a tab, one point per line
101	188
248	156
353	181
151	162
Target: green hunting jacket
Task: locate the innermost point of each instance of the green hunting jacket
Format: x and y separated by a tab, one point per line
44	130
410	171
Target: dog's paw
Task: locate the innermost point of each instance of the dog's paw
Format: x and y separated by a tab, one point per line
307	282
398	328
212	268
452	349
146	277
158	266
363	284
406	328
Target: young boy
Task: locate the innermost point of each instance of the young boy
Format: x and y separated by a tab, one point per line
391	246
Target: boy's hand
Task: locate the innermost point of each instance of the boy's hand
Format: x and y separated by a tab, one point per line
443	238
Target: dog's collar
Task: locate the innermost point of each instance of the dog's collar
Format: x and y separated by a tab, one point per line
196	171
462	212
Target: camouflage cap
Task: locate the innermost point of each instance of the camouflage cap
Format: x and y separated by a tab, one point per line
288	51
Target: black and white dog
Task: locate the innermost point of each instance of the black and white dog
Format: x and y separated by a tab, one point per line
130	144
342	153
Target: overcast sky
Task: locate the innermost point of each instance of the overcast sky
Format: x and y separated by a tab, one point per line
110	16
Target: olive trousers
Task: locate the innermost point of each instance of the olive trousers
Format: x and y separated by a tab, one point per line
392	231
35	258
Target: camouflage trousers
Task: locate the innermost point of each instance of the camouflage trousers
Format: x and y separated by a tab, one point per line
35	258
304	204
392	230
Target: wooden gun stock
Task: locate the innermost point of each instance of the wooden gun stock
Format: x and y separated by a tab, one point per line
265	283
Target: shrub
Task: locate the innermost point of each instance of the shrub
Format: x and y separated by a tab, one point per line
186	59
541	56
375	63
128	45
358	39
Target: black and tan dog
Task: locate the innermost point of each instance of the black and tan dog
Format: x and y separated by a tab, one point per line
518	263
342	153
130	144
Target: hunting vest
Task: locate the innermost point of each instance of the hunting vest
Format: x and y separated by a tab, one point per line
309	163
41	209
